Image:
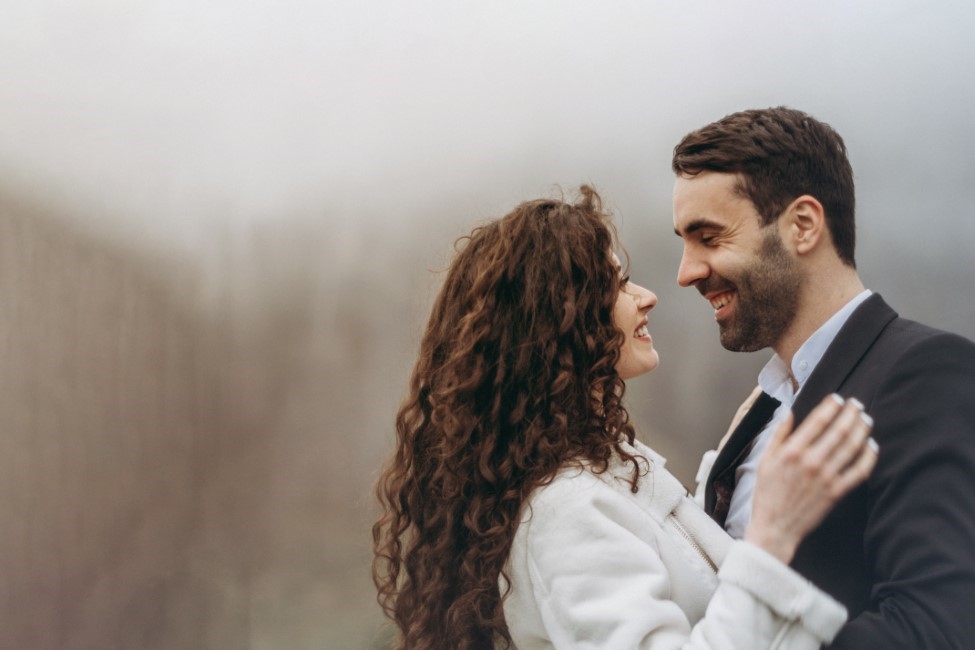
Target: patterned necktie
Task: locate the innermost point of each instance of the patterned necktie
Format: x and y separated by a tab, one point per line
740	445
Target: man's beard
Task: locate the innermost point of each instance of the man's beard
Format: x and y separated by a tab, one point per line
768	294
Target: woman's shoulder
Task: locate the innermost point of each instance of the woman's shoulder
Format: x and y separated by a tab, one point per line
643	450
579	482
580	500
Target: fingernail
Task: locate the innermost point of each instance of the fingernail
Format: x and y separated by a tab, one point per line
866	419
873	445
836	398
857	403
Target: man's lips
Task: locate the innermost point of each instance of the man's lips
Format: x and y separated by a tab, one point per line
721	302
720	299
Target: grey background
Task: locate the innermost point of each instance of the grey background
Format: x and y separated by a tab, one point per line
222	225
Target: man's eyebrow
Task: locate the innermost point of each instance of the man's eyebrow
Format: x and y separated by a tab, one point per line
698	224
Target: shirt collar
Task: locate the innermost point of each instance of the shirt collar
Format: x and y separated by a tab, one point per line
774	377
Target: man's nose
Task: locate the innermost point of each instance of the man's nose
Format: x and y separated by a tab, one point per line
691	270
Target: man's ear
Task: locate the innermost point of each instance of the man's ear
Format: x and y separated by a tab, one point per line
806	221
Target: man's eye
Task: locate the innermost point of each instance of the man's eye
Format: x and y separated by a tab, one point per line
707	241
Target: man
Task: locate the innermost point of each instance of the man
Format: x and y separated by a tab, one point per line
764	204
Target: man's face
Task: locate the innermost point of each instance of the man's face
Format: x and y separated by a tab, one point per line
741	268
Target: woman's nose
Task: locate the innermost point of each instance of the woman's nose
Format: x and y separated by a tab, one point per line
645	299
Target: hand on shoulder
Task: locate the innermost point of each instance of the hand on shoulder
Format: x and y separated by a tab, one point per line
804	473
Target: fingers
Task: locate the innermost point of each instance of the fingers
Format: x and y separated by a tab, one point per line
831	439
803	475
845	437
817	422
840	452
860	468
848	438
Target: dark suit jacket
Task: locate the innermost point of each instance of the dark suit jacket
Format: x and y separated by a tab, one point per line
899	552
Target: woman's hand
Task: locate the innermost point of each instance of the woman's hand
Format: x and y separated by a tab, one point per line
803	475
740	415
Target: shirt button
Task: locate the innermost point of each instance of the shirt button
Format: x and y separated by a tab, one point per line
803	365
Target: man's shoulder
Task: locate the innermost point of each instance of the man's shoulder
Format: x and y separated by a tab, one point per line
912	336
905	334
878	350
933	363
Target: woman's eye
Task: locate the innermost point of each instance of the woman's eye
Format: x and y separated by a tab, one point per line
625	280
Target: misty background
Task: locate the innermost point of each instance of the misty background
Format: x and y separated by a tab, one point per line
222	225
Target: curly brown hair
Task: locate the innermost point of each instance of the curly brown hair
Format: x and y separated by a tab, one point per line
516	377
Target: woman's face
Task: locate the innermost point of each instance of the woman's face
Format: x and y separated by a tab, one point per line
637	357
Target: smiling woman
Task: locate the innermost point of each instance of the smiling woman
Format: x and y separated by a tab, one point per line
637	356
519	508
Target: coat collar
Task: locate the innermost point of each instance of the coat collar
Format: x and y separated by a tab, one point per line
852	342
660	491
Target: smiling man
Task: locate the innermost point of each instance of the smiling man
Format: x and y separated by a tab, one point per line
764	203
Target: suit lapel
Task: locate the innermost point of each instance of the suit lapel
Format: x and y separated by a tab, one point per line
753	422
850	345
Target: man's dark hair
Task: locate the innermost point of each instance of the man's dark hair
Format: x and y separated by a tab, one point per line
778	154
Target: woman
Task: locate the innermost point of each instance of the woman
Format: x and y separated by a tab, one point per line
521	511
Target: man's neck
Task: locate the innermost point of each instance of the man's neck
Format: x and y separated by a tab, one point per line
822	297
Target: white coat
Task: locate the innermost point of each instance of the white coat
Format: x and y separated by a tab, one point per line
594	565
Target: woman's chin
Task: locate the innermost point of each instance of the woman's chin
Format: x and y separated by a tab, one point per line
639	368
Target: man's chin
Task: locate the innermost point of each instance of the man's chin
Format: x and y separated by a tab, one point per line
734	341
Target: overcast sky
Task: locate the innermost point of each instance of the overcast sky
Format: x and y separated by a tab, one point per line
256	109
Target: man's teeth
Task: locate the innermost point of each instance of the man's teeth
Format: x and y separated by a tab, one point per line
720	301
643	331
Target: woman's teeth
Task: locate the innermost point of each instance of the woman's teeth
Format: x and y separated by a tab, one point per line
643	331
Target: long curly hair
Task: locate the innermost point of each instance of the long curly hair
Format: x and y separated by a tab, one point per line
516	377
